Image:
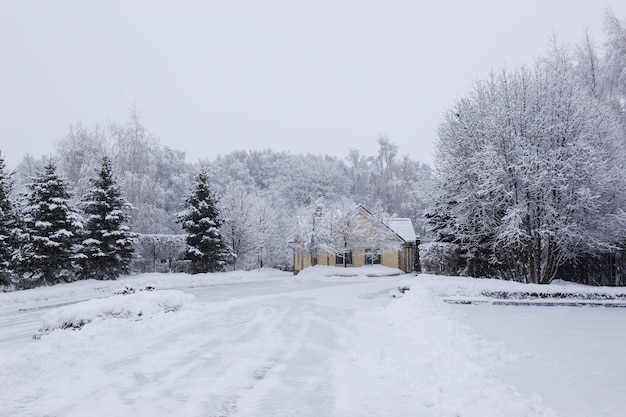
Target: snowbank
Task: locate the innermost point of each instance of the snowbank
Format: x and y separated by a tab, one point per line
367	271
473	290
433	359
90	288
133	306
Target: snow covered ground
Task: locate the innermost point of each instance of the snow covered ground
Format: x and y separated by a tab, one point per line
267	343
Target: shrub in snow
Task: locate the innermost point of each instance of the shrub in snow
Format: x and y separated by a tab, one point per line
439	258
127	289
160	253
201	220
134	306
108	242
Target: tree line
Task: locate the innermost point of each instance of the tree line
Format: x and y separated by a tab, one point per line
258	195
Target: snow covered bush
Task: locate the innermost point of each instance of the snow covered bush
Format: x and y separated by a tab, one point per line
160	253
122	306
439	258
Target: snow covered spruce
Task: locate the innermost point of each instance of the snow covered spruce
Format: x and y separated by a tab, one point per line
201	221
107	246
45	239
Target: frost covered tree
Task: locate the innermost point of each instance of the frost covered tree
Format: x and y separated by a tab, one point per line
78	154
347	229
402	185
312	230
530	173
615	65
52	228
8	223
241	228
153	178
201	220
336	227
107	240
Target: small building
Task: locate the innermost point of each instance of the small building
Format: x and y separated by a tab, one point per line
360	240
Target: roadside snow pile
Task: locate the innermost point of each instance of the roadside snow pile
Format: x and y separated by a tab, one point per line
132	305
433	365
129	289
494	291
367	271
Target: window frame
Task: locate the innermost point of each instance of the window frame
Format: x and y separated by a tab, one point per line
344	258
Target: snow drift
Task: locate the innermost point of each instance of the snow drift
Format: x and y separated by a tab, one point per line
127	306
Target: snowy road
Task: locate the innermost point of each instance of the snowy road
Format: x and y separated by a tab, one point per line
278	347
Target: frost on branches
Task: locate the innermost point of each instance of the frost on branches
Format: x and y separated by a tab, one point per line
336	228
530	174
201	221
51	242
107	240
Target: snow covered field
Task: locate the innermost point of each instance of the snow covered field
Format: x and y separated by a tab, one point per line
268	343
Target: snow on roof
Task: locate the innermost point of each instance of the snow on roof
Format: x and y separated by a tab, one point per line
403	227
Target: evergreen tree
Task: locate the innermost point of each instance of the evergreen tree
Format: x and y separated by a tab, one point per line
8	223
200	219
52	228
108	242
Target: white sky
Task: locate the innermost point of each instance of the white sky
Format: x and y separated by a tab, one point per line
211	77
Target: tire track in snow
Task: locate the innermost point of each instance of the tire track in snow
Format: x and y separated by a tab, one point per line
254	356
302	383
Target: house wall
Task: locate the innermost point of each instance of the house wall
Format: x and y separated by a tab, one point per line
406	256
401	259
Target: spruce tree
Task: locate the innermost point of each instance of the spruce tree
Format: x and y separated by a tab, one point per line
108	242
8	224
52	227
200	219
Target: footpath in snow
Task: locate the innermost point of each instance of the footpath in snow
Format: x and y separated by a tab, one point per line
250	344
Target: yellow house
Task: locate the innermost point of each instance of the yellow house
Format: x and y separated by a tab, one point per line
355	240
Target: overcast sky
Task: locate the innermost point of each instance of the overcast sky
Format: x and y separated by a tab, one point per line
210	77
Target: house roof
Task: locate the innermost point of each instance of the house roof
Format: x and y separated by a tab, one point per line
403	227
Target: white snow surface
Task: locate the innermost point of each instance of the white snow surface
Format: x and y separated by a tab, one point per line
122	306
267	343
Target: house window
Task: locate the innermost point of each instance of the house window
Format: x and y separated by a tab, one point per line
372	257
344	258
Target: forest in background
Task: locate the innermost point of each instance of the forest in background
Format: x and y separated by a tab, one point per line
259	192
